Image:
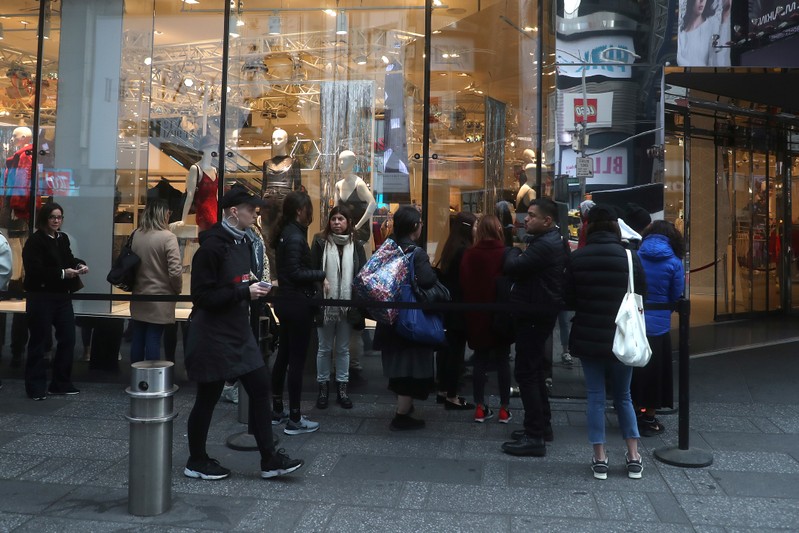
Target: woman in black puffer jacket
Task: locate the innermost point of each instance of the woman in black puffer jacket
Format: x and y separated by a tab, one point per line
596	282
297	282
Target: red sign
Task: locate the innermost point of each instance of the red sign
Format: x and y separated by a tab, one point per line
585	113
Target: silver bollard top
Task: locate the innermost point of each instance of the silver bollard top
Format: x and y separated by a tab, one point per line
151	376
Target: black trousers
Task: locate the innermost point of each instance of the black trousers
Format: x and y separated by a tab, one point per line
296	325
530	374
257	385
449	362
19	334
44	315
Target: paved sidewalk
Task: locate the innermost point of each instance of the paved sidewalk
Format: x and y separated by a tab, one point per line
63	467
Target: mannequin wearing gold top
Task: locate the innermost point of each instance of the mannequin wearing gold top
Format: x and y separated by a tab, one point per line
351	191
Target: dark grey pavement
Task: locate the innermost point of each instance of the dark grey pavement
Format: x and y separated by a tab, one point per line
63	466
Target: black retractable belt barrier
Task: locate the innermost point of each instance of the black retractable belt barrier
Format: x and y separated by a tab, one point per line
683	455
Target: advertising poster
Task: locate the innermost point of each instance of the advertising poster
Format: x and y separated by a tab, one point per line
703	33
766	15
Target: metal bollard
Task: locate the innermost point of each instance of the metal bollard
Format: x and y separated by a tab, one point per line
151	394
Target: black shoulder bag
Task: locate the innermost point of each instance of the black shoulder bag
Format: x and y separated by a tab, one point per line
123	271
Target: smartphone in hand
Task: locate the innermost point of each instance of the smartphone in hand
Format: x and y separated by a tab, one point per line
265	284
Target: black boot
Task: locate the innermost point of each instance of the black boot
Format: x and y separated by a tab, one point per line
526	446
343	399
324	391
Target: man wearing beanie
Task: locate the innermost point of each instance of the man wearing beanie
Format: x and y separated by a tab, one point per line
538	276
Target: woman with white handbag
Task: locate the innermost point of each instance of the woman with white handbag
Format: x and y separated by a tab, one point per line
596	283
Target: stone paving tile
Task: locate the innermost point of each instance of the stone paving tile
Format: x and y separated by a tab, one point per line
758	484
754	462
722	423
61	426
526	524
30	498
414	495
357	520
449	449
66	446
788	424
765	425
610	505
12	465
748	410
726	511
676	478
337	423
95	410
703	481
265	515
781	442
322	465
410	444
578	477
313	518
430	469
73	472
9	521
513	500
667	508
495	473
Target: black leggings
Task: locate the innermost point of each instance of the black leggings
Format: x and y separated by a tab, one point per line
296	325
257	385
485	360
449	363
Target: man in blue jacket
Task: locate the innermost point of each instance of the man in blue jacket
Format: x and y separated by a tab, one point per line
537	276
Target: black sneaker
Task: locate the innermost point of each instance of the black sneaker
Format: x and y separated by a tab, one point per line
635	468
205	469
279	465
599	468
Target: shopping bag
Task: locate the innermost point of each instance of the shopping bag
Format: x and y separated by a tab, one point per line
380	278
630	344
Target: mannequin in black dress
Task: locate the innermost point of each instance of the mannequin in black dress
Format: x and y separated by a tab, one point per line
281	175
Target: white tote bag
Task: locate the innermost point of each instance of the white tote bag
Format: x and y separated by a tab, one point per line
630	343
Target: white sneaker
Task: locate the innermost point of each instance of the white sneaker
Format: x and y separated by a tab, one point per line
231	393
298	428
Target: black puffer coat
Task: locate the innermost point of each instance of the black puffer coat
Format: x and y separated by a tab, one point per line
537	274
295	272
596	282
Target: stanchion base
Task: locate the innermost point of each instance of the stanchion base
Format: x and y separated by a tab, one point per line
242	442
691	458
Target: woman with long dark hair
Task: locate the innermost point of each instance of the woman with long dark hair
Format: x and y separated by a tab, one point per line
335	252
159	273
407	365
449	360
50	267
652	388
297	282
480	269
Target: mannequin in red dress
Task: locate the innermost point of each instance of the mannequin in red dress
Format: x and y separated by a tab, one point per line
202	189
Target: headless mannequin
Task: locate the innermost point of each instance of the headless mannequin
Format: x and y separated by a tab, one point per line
204	221
526	193
352	192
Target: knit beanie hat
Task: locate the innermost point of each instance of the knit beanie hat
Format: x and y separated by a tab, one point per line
637	217
602	213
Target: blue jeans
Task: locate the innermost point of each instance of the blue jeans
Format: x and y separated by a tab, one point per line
620	376
146	341
333	336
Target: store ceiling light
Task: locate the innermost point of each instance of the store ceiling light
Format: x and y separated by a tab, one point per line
341	23
191	1
385	59
360	60
274	25
331	12
239	20
148	60
2	32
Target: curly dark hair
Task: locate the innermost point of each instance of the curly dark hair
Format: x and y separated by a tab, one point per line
664	227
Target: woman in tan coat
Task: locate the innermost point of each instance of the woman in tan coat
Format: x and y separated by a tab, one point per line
159	273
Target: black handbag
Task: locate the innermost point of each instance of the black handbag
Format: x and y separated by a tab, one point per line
437	293
123	271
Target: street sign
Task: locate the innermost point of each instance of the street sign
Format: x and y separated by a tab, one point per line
584	167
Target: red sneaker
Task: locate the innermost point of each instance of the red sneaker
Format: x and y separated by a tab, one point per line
504	415
482	413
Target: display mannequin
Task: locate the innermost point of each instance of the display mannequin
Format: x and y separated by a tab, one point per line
351	191
526	193
202	190
18	175
281	175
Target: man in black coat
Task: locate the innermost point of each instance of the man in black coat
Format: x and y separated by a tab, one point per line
538	276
